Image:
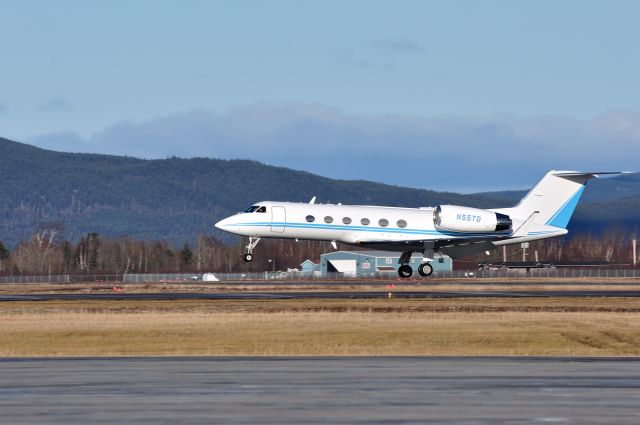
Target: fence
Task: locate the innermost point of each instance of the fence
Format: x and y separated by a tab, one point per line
63	278
265	277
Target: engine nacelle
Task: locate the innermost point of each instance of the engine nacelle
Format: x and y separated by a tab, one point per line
453	218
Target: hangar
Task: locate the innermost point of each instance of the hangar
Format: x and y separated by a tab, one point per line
359	263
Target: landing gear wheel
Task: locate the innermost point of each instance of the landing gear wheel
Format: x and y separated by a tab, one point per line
253	241
425	269
405	271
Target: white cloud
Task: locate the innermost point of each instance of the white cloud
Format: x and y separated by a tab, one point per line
465	153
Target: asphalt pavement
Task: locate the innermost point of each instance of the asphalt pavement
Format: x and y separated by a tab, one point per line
301	390
278	295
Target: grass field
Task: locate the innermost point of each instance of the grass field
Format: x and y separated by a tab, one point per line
578	326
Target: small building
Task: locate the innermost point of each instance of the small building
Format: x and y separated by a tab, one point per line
309	266
362	263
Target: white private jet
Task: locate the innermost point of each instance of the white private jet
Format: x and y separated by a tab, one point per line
456	231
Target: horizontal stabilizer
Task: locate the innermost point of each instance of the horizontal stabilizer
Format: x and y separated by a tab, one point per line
589	175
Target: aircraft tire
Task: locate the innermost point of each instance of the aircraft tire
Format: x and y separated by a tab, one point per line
247	258
405	271
425	269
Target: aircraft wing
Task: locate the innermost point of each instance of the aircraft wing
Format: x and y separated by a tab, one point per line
454	247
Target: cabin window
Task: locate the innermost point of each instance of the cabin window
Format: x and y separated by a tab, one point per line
365	222
310	218
401	223
346	220
262	210
383	222
328	219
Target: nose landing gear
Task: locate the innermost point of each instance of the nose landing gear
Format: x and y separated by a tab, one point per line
252	244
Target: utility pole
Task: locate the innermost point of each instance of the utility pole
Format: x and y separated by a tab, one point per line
635	256
524	246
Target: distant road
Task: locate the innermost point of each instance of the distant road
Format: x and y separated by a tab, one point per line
279	295
320	390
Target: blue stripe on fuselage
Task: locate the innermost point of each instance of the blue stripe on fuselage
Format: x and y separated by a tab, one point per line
321	226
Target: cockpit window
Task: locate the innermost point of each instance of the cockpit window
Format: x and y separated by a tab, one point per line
256	208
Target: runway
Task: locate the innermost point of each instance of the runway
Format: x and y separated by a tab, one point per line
379	390
280	295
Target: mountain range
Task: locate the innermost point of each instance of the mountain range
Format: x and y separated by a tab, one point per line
175	199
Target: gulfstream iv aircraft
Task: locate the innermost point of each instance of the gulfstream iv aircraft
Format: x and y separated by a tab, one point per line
453	230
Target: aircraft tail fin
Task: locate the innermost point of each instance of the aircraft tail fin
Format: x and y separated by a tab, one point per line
555	197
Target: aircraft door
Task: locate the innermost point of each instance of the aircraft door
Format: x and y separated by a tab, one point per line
278	219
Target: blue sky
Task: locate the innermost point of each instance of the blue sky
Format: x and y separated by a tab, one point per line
460	95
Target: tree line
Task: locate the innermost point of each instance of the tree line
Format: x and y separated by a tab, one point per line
45	254
614	247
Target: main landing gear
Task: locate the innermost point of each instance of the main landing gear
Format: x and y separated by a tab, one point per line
405	271
252	244
425	269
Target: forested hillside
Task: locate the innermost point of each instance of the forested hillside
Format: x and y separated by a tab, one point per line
173	199
176	199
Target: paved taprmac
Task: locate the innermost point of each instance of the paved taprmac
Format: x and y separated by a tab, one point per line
365	390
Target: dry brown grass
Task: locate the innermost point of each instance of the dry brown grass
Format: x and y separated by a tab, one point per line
594	327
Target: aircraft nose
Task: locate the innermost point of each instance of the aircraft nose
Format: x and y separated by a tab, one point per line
222	223
233	224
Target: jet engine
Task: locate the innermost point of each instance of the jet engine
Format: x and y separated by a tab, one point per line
453	218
